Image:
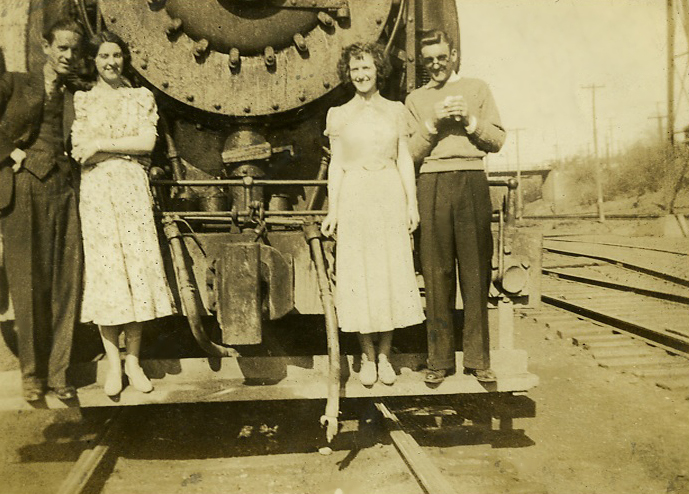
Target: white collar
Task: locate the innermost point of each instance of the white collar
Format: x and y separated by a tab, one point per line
375	98
454	77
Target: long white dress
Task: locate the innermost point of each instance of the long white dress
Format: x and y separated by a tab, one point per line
124	278
376	288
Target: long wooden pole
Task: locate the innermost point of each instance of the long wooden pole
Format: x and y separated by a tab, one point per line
599	175
670	75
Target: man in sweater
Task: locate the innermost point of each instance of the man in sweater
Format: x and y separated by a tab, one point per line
456	123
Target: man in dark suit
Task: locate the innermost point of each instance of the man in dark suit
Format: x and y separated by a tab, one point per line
42	239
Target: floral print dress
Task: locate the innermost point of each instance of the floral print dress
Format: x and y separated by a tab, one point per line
124	278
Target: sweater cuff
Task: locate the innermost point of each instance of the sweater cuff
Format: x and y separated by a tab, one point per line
472	125
432	130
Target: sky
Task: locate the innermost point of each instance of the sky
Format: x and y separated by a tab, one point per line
537	54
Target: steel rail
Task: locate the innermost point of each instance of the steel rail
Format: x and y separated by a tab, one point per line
676	345
428	475
612	244
89	460
620	262
617	286
594	216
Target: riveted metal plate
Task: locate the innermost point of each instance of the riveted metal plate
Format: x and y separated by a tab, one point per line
252	89
309	4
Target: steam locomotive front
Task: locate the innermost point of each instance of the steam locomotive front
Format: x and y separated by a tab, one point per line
247	80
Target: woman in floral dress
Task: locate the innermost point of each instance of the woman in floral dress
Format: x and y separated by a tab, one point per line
124	280
372	197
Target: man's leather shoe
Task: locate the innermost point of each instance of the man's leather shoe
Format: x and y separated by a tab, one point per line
436	376
65	392
482	375
32	394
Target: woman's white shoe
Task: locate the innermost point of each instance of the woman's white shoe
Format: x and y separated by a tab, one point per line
137	378
386	373
113	383
368	374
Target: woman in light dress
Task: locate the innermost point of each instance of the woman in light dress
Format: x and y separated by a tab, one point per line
372	197
124	280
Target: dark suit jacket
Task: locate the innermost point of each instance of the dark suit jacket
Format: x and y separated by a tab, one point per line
21	113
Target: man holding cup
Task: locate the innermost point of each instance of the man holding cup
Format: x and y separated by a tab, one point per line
455	124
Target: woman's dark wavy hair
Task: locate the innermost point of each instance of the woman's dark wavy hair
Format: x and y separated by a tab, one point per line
356	51
95	43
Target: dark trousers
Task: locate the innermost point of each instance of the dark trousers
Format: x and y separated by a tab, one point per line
43	259
455	212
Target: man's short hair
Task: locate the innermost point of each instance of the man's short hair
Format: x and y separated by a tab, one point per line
64	24
434	37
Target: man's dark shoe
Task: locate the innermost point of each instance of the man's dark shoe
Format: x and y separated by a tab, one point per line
65	392
436	376
482	375
32	393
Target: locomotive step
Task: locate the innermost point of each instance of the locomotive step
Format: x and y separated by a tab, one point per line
269	378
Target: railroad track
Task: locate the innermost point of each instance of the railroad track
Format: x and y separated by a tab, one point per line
625	300
237	448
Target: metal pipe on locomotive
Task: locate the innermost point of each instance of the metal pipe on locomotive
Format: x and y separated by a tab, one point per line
243	87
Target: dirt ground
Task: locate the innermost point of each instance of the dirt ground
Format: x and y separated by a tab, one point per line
597	430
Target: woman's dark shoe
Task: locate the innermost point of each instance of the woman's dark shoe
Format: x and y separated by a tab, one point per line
482	375
65	392
436	376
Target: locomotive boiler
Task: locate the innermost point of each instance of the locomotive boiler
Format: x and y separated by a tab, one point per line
239	174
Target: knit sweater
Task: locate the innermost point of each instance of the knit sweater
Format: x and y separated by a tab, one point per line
452	148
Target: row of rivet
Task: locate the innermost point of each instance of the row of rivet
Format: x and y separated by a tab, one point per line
202	47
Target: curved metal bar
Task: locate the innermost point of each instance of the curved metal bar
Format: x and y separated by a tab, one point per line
396	27
332	406
187	289
81	6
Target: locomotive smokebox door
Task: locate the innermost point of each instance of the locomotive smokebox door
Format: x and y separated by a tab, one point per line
252	280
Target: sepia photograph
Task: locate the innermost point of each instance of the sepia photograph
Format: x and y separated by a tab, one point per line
344	246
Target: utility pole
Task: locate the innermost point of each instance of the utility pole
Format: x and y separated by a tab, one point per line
670	75
599	178
520	190
659	118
